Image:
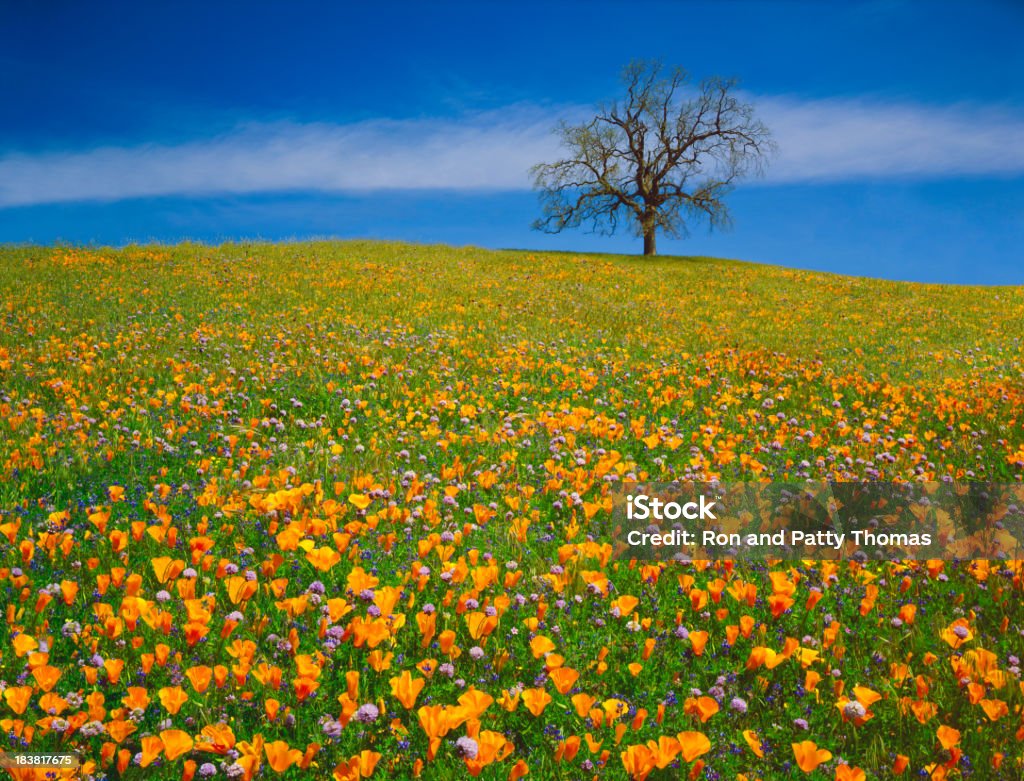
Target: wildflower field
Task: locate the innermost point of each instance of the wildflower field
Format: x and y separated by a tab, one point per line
325	510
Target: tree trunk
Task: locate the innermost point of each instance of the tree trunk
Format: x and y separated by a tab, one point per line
650	240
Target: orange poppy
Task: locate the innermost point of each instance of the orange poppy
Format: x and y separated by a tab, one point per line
281	756
18	698
119	729
948	736
701	707
536	700
480	624
583	703
176	742
994	709
172	698
216	738
356	767
46	676
665	750
753	741
809	756
568	749
779	604
900	765
847	773
434	720
151	747
427	624
698	640
639	761
379	660
137	698
406	689
361	501
564	678
491	747
475	702
23	643
541	645
693	745
165	568
323	558
958	633
200	677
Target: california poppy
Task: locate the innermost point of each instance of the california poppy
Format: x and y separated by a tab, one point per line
281	756
406	689
809	756
693	745
536	700
176	742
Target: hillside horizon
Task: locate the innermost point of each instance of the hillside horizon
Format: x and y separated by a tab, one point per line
659	307
567	253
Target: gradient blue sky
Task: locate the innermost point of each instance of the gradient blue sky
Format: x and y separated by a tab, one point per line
899	124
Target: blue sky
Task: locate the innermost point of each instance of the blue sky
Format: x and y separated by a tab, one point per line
899	124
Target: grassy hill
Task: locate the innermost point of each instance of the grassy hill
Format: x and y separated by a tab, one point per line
658	306
681	343
322	509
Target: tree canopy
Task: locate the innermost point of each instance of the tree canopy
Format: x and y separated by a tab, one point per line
664	155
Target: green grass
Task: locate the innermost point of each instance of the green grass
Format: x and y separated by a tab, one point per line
210	382
906	330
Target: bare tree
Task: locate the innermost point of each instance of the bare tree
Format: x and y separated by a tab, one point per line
663	156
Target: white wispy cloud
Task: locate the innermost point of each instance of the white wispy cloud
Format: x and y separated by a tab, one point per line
849	139
819	141
484	151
